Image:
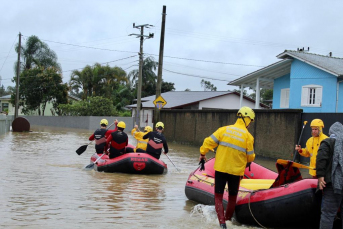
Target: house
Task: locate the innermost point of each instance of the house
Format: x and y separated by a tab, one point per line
6	106
195	100
300	80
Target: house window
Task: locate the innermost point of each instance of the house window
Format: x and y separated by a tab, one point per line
284	98
311	96
4	106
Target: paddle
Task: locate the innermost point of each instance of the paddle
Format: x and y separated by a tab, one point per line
172	162
301	134
91	165
83	148
297	165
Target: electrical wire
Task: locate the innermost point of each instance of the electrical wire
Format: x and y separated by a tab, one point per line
8	54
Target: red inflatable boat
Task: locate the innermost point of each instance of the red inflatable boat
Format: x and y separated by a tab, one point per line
291	205
136	163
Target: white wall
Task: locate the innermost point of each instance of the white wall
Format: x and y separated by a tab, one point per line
230	101
146	118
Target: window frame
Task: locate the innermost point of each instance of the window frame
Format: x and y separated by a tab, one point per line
310	98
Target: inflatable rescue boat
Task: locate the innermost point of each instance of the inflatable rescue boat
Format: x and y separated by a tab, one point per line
265	198
135	163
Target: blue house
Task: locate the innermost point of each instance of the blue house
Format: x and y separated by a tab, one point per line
301	80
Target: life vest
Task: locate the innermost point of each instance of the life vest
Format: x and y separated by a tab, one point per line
287	174
100	139
156	142
119	141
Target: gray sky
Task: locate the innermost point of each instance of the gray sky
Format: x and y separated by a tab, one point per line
228	39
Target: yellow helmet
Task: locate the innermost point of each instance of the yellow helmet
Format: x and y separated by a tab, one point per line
121	124
246	112
317	122
160	124
148	129
104	122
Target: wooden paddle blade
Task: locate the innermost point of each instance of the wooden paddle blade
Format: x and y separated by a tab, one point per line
82	149
297	165
89	167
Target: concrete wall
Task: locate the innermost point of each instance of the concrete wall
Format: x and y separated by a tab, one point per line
275	131
80	122
5	123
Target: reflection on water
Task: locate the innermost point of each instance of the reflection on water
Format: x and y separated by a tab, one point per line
43	186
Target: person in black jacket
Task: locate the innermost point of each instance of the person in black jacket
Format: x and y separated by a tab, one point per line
329	166
156	142
118	140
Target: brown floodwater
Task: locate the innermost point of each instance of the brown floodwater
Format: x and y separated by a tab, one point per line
43	185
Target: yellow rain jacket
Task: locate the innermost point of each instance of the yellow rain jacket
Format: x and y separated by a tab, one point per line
311	150
235	148
141	143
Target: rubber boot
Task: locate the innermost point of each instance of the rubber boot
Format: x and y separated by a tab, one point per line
230	208
218	202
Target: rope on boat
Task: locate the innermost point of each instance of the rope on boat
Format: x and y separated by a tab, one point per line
251	193
251	211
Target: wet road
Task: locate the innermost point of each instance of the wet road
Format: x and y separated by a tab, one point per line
43	185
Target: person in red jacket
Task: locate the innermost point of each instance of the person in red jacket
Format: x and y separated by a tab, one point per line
100	136
118	140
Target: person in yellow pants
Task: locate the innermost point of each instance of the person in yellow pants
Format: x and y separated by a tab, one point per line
138	135
235	151
312	144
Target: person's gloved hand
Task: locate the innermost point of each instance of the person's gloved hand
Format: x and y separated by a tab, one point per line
202	164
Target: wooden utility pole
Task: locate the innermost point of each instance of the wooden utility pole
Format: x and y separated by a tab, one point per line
160	64
140	71
17	86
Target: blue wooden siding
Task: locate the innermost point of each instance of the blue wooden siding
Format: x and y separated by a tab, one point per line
280	83
304	74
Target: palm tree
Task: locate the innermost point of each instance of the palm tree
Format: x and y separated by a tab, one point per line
148	76
35	53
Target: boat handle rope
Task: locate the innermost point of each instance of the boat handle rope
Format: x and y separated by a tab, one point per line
251	211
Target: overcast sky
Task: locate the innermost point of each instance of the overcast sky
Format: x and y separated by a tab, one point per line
218	40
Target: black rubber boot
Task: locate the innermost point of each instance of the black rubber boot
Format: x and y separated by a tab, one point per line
223	225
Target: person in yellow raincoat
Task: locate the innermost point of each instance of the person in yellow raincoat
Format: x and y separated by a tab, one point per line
235	151
312	144
138	135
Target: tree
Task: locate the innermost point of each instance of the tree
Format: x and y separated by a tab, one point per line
35	53
97	80
208	86
38	86
187	89
92	106
167	86
265	94
4	91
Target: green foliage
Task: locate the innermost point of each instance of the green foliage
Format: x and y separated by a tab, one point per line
35	53
208	86
4	92
92	106
265	94
245	93
149	79
38	86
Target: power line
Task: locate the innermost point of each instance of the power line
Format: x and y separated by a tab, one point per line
196	76
8	54
173	57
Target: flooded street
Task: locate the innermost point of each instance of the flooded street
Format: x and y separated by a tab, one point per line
43	186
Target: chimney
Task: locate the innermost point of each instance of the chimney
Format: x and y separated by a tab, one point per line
308	48
330	54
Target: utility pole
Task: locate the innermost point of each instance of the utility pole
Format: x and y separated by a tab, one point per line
160	65
17	86
140	71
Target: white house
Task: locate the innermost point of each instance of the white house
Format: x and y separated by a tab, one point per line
194	100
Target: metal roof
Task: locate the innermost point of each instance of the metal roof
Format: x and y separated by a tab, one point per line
332	65
266	75
5	97
176	99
